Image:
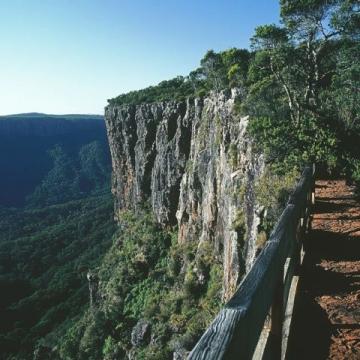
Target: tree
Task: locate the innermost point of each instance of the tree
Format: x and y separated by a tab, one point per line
278	58
236	62
308	62
347	19
197	80
346	86
314	25
213	68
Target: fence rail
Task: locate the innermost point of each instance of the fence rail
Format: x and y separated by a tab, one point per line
235	332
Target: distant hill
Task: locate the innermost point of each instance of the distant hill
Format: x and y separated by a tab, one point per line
27	156
44	125
42	115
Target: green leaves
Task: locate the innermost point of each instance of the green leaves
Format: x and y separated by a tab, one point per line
47	254
304	92
268	37
214	70
346	86
137	281
73	176
178	89
346	19
217	71
307	17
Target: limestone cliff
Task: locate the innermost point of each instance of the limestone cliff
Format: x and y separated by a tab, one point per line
193	162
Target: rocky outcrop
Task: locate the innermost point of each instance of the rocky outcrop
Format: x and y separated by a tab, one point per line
140	333
149	145
93	283
43	352
193	163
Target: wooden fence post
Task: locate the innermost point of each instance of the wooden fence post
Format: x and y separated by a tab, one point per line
313	186
277	317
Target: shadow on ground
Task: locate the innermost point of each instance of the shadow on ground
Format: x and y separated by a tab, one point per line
327	248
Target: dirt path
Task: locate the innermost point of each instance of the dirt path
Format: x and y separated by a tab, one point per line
327	313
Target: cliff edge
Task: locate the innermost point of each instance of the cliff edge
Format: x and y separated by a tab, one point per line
193	162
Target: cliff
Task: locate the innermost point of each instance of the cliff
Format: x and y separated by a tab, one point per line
193	162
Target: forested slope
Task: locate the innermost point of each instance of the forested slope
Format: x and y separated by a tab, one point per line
56	170
32	144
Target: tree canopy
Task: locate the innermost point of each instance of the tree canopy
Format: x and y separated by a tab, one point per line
304	86
217	71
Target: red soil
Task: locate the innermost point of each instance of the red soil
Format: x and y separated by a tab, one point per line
327	313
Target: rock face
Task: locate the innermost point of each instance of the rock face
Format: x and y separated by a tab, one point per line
93	283
140	334
149	146
193	162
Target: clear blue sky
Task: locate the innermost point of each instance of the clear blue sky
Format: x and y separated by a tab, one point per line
69	56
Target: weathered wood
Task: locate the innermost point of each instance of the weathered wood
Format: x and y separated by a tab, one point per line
262	347
299	197
277	317
234	333
290	289
288	316
289	272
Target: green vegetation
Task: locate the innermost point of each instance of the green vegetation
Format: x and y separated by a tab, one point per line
73	177
216	72
303	94
233	154
274	201
142	277
45	254
300	86
31	143
59	169
176	89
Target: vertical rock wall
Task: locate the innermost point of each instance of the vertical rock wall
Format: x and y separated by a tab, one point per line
193	163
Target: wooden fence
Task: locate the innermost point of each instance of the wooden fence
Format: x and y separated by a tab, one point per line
238	330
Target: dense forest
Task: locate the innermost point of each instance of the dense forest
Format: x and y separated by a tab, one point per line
45	254
58	175
33	144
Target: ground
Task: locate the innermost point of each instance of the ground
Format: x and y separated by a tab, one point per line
327	313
